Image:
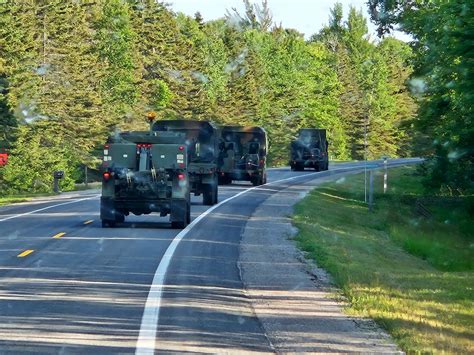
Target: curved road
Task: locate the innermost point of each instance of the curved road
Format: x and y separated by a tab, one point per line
69	286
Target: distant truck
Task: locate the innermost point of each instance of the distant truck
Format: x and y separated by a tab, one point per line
243	154
202	145
144	172
309	150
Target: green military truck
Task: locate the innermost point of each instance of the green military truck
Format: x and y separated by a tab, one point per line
243	154
201	143
145	172
309	150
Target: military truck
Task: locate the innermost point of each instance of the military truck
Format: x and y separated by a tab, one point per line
243	154
309	150
145	172
201	143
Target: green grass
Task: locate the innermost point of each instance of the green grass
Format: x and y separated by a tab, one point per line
16	198
413	275
6	200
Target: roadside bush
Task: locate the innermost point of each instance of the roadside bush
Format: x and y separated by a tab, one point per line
35	156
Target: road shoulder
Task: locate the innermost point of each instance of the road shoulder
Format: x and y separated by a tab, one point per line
295	301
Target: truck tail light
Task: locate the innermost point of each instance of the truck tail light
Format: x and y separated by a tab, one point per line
181	177
107	176
181	147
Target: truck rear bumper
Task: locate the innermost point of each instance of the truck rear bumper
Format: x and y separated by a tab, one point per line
244	175
110	208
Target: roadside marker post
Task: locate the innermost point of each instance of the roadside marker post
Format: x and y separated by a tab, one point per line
385	175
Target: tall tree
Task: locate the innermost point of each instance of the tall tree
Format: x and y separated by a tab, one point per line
442	33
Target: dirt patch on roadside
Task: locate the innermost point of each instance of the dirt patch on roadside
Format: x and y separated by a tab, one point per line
295	301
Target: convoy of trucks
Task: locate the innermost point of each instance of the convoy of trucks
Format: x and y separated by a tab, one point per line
157	170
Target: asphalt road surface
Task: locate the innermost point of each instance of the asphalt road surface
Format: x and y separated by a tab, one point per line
69	286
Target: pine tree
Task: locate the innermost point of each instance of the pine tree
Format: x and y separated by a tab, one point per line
116	40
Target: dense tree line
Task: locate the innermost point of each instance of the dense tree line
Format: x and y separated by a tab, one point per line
443	43
73	71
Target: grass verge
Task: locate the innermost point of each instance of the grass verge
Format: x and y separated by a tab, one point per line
412	274
16	198
6	200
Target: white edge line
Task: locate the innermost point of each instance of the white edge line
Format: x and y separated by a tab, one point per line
47	208
149	325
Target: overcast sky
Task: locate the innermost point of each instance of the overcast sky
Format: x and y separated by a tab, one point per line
306	16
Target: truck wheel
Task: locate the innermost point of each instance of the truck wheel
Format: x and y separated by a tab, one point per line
188	213
215	192
178	225
187	218
209	195
119	218
224	180
180	213
317	167
257	180
108	223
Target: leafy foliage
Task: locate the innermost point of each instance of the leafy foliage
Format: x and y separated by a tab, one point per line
442	33
77	70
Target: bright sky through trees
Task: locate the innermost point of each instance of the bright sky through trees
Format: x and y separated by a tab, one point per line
306	16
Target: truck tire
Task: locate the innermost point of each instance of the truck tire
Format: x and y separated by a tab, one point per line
210	191
257	180
188	214
108	223
119	217
185	215
224	180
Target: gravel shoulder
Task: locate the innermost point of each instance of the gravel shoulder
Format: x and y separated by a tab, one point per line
296	302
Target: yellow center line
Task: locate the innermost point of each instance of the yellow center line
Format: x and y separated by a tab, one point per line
59	235
25	253
89	221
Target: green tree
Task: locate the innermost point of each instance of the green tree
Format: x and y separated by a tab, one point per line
116	45
443	79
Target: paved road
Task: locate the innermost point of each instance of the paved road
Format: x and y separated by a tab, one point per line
83	289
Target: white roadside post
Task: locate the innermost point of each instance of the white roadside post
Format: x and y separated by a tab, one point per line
385	175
